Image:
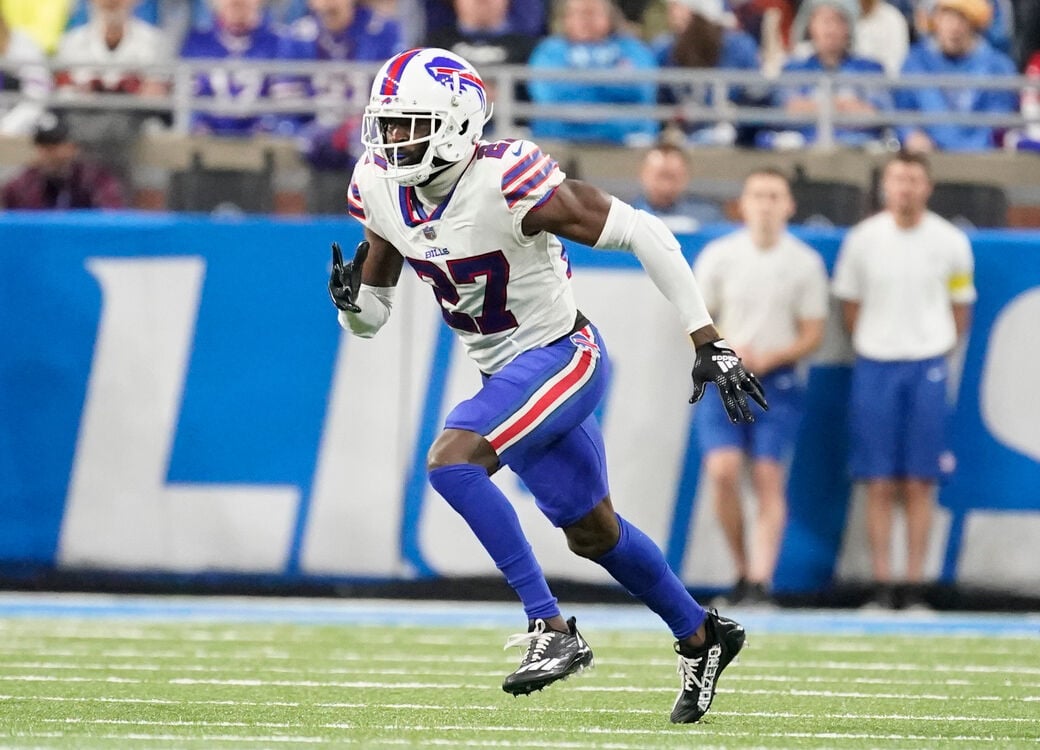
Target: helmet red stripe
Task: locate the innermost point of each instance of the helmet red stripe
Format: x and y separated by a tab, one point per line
393	73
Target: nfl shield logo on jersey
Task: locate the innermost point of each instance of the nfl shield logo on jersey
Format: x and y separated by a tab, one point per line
429	233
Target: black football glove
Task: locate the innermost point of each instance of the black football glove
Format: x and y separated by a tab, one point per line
345	280
717	363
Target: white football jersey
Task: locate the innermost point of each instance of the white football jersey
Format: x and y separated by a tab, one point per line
502	292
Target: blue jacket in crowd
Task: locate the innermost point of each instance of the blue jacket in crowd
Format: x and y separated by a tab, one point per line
878	97
615	53
228	84
984	61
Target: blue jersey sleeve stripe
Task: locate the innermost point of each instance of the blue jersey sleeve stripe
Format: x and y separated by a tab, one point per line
530	185
520	167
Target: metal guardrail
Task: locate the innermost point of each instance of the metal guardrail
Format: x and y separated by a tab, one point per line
181	100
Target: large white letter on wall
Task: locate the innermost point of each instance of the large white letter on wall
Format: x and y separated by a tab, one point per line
1010	372
120	512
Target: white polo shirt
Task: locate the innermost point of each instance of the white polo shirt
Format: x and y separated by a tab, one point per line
142	44
758	297
906	281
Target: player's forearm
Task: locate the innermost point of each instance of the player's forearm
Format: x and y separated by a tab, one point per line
659	252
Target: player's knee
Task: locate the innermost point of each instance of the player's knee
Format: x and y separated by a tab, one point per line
455	447
594	535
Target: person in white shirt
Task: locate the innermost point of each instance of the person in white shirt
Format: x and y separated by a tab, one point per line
905	279
113	35
882	34
768	292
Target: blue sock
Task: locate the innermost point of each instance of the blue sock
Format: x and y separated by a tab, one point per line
470	491
639	565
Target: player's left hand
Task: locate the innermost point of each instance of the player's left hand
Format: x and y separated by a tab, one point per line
717	363
345	280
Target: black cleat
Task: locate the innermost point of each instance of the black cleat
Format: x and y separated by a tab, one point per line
550	656
700	671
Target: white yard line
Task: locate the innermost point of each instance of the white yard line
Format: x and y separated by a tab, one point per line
440	728
494	708
412	685
747	661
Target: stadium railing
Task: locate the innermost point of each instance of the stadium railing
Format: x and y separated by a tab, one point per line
182	99
172	145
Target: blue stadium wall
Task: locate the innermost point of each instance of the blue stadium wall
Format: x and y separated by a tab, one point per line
177	399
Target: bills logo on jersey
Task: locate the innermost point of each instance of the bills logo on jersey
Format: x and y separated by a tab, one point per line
444	69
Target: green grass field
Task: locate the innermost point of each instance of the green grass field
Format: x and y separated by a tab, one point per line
97	683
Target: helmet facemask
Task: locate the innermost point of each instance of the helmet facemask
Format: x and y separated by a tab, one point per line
408	161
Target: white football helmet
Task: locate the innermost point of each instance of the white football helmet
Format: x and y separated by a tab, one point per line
430	87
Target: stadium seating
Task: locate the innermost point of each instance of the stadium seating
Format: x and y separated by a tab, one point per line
327	191
205	188
971	203
826	202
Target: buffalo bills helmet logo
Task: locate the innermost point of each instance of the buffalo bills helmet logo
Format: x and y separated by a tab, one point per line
443	70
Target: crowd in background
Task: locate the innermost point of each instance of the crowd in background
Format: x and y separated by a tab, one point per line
882	37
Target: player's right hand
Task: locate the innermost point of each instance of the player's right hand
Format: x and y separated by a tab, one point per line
345	280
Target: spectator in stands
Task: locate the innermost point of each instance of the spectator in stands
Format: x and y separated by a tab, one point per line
29	79
1028	139
665	180
830	24
529	17
904	277
768	292
882	34
348	30
242	32
344	30
59	178
591	41
483	34
704	36
113	35
955	47
173	17
41	20
998	31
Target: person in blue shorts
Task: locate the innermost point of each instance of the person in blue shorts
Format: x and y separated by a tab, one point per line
905	279
768	291
478	221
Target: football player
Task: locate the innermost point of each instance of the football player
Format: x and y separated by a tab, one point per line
479	221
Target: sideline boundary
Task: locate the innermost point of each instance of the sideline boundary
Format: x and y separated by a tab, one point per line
313	611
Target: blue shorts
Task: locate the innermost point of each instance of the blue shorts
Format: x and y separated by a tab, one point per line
773	433
537	413
897	419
